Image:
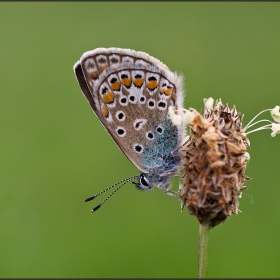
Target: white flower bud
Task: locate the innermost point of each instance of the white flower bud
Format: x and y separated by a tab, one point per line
275	113
275	129
208	103
176	119
188	117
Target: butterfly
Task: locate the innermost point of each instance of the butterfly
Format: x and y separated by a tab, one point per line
130	92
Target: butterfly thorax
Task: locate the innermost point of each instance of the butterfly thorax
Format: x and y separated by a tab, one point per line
160	176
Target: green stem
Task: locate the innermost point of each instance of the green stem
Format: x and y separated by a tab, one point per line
203	251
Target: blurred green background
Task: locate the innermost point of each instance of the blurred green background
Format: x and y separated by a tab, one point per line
55	152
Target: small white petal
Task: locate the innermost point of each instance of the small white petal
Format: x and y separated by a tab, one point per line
176	119
275	113
208	103
247	156
275	129
171	112
188	117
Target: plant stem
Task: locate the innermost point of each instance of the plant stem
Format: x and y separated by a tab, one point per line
203	251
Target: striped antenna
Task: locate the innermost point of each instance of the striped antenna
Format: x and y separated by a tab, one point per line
98	194
122	183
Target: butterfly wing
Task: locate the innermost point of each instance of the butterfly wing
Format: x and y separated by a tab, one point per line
130	92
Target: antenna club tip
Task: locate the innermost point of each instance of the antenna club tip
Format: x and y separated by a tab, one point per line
96	207
90	198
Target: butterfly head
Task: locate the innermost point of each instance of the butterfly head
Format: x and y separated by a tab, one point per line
146	181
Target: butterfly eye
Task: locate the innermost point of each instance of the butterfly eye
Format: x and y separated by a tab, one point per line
144	181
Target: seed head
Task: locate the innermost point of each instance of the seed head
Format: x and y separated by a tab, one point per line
215	161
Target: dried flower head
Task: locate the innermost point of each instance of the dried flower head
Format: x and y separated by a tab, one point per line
215	163
215	159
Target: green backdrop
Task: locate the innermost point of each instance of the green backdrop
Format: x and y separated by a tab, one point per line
55	152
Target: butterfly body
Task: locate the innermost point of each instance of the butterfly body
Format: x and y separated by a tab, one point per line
130	92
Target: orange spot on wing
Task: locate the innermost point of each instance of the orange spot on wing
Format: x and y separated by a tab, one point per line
108	97
138	82
173	96
105	111
116	85
94	75
102	68
166	91
126	82
152	84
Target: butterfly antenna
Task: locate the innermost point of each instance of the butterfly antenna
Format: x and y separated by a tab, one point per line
98	194
122	182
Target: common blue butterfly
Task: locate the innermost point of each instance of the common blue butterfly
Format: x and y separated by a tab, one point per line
130	92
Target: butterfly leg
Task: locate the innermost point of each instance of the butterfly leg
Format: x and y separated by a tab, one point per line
172	193
170	173
166	190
